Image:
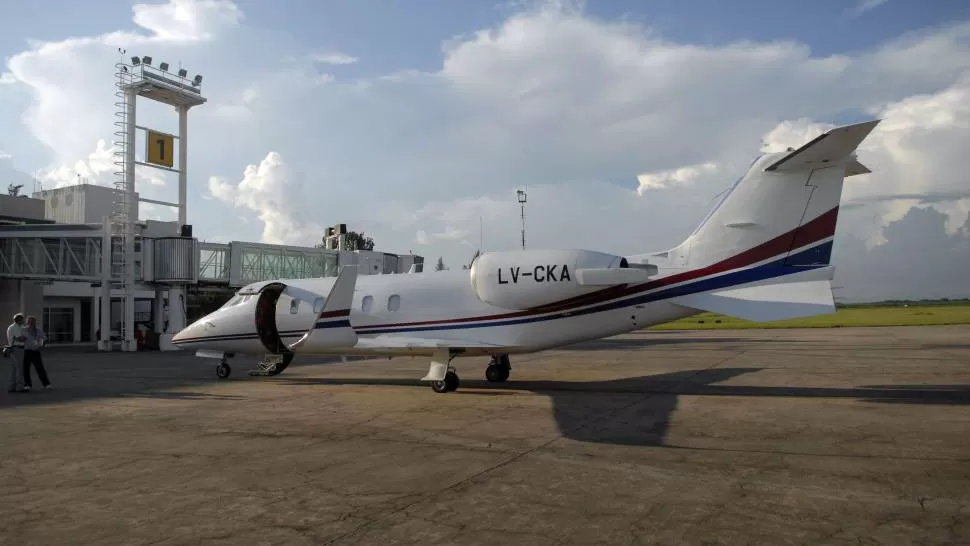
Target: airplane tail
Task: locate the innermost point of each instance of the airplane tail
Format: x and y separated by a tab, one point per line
768	243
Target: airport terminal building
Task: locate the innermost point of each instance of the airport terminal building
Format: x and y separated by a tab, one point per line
52	265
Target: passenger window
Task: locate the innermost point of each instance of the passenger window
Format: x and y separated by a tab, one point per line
394	303
318	305
294	307
367	304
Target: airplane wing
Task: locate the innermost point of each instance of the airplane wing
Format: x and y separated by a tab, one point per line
828	147
332	325
395	341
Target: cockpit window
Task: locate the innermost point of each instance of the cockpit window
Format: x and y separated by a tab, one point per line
236	300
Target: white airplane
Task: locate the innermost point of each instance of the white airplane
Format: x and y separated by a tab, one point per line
763	253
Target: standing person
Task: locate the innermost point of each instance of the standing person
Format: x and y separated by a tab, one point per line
15	347
35	338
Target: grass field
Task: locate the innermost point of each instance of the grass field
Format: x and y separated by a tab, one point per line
914	315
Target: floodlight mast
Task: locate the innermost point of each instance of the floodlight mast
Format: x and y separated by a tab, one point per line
141	79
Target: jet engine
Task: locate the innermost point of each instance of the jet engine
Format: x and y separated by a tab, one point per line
525	279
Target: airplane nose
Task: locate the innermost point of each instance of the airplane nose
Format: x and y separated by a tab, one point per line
187	333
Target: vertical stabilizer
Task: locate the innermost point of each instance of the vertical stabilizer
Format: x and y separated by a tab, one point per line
785	207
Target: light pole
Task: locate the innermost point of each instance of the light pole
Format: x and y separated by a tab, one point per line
522	197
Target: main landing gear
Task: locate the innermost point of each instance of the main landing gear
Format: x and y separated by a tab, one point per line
498	369
444	378
448	384
223	369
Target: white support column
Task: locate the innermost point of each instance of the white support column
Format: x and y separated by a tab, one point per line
183	165
104	296
158	307
176	317
129	293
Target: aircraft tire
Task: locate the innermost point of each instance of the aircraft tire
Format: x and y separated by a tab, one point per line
223	370
496	373
451	381
448	384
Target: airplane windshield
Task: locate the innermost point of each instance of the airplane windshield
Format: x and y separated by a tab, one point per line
236	300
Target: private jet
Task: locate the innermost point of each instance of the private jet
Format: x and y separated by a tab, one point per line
762	253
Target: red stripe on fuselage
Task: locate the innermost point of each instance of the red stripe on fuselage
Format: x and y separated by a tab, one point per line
332	314
815	230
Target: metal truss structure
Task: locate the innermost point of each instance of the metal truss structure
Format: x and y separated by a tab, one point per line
44	253
253	262
72	252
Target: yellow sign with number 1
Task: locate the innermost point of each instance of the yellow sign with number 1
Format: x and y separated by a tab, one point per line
160	149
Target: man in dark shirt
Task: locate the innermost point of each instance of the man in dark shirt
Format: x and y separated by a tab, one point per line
34	340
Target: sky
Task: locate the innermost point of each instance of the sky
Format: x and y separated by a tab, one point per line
416	122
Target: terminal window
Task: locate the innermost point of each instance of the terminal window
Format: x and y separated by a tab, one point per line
59	324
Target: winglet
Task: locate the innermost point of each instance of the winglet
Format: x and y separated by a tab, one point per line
331	328
829	147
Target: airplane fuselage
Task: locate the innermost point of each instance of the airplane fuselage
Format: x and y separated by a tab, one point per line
440	305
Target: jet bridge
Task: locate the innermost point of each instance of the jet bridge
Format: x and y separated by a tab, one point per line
72	256
63	252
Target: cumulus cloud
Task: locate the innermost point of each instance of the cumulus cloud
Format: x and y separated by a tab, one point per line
791	134
7	78
187	20
448	234
334	58
682	176
918	259
270	189
622	136
866	5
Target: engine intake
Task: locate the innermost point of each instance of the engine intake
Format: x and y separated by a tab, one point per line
525	279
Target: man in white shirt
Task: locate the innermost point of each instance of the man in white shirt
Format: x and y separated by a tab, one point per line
15	341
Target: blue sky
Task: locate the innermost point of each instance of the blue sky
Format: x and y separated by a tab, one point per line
393	34
623	118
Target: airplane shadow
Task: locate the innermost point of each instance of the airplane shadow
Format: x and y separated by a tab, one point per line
625	411
638	409
619	344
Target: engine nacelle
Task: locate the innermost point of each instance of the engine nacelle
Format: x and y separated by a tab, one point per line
525	279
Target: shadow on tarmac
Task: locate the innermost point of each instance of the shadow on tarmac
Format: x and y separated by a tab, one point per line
627	411
640	410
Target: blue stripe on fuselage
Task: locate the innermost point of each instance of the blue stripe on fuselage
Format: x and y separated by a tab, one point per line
769	270
778	268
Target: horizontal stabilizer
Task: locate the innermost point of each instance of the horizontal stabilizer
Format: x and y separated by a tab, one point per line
611	276
331	328
826	149
766	302
853	168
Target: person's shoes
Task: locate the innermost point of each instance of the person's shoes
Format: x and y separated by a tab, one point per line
26	388
48	386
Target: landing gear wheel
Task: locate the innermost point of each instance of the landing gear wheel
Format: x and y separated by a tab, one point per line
497	373
450	383
223	370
